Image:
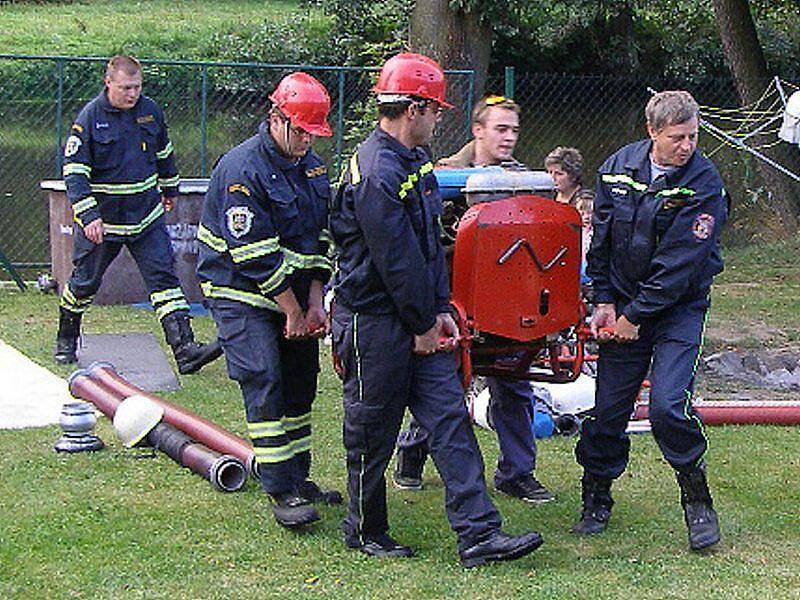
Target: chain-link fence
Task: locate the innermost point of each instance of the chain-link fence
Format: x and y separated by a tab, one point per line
211	107
596	114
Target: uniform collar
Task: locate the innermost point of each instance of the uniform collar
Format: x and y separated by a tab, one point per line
639	162
107	106
275	156
410	154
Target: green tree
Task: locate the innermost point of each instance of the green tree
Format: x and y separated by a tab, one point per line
748	65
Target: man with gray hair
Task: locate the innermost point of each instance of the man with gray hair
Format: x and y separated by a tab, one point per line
659	210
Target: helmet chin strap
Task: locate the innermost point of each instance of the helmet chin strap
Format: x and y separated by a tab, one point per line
286	125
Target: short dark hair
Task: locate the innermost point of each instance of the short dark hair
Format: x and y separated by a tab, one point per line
122	62
392	111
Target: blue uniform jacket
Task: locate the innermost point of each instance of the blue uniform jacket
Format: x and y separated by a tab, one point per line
263	225
386	221
655	245
114	163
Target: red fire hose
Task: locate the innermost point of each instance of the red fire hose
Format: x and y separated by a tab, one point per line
724	412
226	473
195	426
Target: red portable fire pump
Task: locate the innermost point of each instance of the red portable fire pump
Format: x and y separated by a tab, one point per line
516	278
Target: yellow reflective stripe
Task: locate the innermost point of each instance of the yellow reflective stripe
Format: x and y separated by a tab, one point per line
85	204
254	250
294	423
274	455
276	278
126	188
136	228
413	178
326	238
165	152
265	429
306	261
408	185
169	181
355	173
170	307
225	293
70	302
76	169
302	444
209	239
624	179
164	295
678	191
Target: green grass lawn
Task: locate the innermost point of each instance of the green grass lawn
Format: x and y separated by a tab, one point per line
121	524
755	299
157	28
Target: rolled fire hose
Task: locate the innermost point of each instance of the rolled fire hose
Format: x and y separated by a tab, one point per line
225	473
196	427
726	412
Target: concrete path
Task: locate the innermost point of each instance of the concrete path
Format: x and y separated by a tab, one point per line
30	395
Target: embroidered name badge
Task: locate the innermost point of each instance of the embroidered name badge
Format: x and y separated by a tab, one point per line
703	226
619	191
671	203
240	220
72	146
316	172
101	125
238	187
145	119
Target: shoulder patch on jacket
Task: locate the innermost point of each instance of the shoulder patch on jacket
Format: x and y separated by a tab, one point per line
72	146
77	127
239	220
703	226
145	119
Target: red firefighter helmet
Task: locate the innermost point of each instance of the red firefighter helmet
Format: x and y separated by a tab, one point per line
411	75
305	101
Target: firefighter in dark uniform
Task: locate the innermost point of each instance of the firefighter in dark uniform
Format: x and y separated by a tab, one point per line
392	326
116	159
264	258
659	210
495	127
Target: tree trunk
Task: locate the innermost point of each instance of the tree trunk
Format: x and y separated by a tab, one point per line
745	58
457	39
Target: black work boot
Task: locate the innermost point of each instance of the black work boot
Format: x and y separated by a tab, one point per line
316	495
191	356
597	503
292	511
69	328
698	512
407	473
380	545
500	546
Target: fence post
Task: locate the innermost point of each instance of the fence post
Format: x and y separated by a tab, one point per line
509	91
470	100
203	133
59	116
340	125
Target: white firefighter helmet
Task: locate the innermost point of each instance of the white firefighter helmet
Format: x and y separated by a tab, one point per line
790	129
136	416
574	398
